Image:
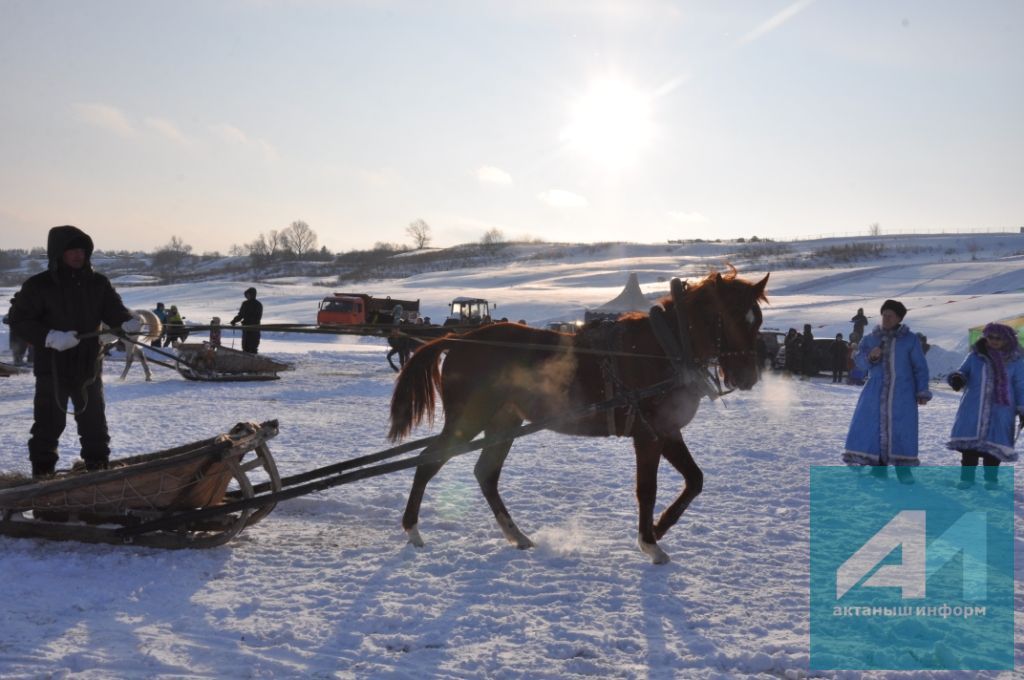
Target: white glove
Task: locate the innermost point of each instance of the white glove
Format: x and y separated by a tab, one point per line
132	326
61	340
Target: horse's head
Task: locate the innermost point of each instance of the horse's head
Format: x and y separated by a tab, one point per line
724	320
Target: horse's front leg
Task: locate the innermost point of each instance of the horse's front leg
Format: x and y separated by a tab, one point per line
488	471
675	451
648	455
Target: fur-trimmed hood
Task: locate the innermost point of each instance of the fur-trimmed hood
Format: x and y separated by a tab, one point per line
63	238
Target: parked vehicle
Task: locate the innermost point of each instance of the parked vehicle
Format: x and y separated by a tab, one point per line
467	311
822	362
359	309
773	341
571	327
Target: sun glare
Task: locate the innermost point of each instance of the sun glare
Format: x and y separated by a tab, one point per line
610	123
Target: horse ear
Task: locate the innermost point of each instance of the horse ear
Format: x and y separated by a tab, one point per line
760	285
718	278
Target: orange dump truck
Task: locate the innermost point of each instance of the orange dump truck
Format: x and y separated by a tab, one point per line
360	309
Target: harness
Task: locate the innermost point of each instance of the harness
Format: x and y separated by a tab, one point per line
606	338
678	348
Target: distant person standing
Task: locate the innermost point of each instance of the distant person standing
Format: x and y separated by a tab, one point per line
161	313
859	322
175	327
791	355
19	346
808	367
839	352
884	427
250	314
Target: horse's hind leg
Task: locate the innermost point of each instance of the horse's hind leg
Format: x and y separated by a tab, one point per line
488	470
648	456
411	518
677	453
424	473
145	364
129	355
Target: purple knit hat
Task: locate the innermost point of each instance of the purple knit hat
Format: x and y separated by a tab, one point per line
1010	349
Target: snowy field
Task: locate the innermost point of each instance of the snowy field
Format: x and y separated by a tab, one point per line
326	586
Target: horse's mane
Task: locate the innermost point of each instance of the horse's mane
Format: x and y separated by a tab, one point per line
699	290
712	280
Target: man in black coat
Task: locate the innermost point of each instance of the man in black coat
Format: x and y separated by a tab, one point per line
839	352
50	311
250	314
808	367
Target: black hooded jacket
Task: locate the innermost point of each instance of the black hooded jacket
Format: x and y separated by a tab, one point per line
64	299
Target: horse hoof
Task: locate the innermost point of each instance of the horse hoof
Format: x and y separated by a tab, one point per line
652	550
413	533
513	534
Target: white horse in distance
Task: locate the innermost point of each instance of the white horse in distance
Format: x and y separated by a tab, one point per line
150	330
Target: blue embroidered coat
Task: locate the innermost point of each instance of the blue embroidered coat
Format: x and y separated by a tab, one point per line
981	424
884	426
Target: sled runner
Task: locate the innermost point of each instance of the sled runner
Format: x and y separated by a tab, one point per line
201	361
101	506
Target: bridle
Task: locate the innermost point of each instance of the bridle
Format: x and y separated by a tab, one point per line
678	345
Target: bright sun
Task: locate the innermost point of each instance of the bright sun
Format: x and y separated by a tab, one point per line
610	123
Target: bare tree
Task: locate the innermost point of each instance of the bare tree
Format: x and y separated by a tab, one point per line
172	255
299	238
273	242
419	230
875	229
258	247
493	237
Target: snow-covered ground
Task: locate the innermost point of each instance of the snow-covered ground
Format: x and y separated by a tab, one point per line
326	586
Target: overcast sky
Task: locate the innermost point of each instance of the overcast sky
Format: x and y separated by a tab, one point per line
575	120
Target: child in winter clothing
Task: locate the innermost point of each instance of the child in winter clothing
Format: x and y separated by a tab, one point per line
215	332
993	375
884	427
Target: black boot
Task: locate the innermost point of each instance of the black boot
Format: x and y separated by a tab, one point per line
97	464
43	470
991	477
967	475
880	471
904	475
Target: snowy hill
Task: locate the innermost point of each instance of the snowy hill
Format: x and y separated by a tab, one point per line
326	585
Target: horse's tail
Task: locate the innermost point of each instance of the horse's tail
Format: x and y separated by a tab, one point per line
414	395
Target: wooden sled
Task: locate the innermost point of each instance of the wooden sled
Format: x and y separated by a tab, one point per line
7	370
97	507
201	361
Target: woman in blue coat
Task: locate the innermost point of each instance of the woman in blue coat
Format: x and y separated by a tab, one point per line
985	425
884	427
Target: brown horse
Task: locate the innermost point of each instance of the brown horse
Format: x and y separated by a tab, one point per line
498	376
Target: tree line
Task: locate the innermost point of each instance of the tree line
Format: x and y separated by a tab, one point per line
297	241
